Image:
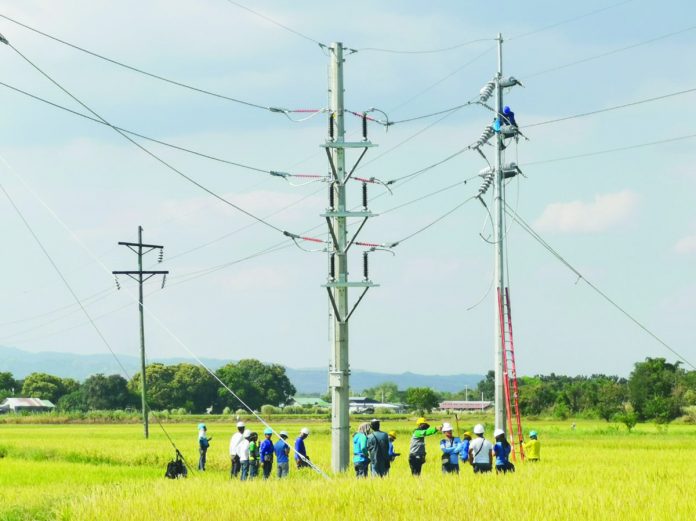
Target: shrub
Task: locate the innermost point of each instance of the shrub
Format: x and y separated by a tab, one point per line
269	409
226	411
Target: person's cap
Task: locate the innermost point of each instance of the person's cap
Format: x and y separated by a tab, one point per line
268	431
392	434
467	433
305	430
420	420
506	109
532	434
283	434
201	426
247	433
498	432
240	424
446	427
478	429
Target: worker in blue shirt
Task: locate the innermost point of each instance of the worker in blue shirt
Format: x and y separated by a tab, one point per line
464	451
301	458
266	452
282	451
509	117
203	444
502	450
392	453
450	447
361	458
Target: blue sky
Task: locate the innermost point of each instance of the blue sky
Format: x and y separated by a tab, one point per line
626	219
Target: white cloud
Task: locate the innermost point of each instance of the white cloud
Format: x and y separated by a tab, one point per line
604	212
686	244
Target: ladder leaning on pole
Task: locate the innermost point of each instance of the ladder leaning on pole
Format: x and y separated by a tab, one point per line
512	406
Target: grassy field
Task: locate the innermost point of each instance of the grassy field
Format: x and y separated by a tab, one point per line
94	472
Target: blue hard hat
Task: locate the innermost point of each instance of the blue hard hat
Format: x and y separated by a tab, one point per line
506	110
201	426
532	433
268	431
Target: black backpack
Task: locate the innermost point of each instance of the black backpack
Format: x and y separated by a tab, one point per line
176	468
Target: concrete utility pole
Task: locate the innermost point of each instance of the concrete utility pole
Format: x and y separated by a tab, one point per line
338	284
140	277
498	225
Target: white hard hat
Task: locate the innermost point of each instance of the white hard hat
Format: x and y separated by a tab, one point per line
498	432
240	424
247	433
446	427
478	429
305	430
283	433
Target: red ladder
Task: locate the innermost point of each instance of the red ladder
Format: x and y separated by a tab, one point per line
512	406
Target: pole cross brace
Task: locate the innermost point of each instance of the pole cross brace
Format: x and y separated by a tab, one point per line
365	285
329	215
336	145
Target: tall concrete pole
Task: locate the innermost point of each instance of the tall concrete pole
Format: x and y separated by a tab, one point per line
143	390
498	231
339	377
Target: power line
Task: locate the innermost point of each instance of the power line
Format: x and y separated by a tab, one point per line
526	227
277	23
608	53
569	20
144	72
610	150
425	51
608	109
146	150
416	118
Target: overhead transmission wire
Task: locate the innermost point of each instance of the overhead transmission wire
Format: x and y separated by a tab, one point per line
608	53
423	51
150	74
147	150
147	310
528	228
278	24
83	308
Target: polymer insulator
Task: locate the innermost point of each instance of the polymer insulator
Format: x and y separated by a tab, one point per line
365	266
331	126
331	196
487	182
164	280
161	255
364	126
364	195
487	134
118	285
332	266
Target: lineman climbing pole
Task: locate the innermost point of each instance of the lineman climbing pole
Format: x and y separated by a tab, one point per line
338	284
140	277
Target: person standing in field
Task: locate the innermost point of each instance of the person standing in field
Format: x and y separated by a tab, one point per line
236	439
266	452
392	453
378	448
243	455
464	451
532	448
203	444
301	458
450	447
502	450
253	455
361	457
480	452
282	452
416	451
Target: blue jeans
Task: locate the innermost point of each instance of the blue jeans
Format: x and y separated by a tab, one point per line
245	469
360	469
283	469
253	469
201	460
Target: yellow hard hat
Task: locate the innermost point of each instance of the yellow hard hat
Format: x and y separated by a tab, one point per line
392	434
420	420
467	433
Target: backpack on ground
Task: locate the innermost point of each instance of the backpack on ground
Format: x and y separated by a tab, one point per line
176	468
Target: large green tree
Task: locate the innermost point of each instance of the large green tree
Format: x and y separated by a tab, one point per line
653	389
47	386
254	382
194	389
422	399
384	392
158	380
107	392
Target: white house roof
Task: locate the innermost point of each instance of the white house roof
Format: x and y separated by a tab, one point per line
26	402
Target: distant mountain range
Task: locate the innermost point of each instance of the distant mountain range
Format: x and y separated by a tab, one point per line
71	365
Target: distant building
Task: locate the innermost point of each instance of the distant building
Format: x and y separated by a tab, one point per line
465	406
309	401
363	405
25	405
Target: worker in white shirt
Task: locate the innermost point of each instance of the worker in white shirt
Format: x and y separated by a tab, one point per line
480	451
234	443
243	454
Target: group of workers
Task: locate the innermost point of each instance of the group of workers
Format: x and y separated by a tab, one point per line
249	457
373	450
